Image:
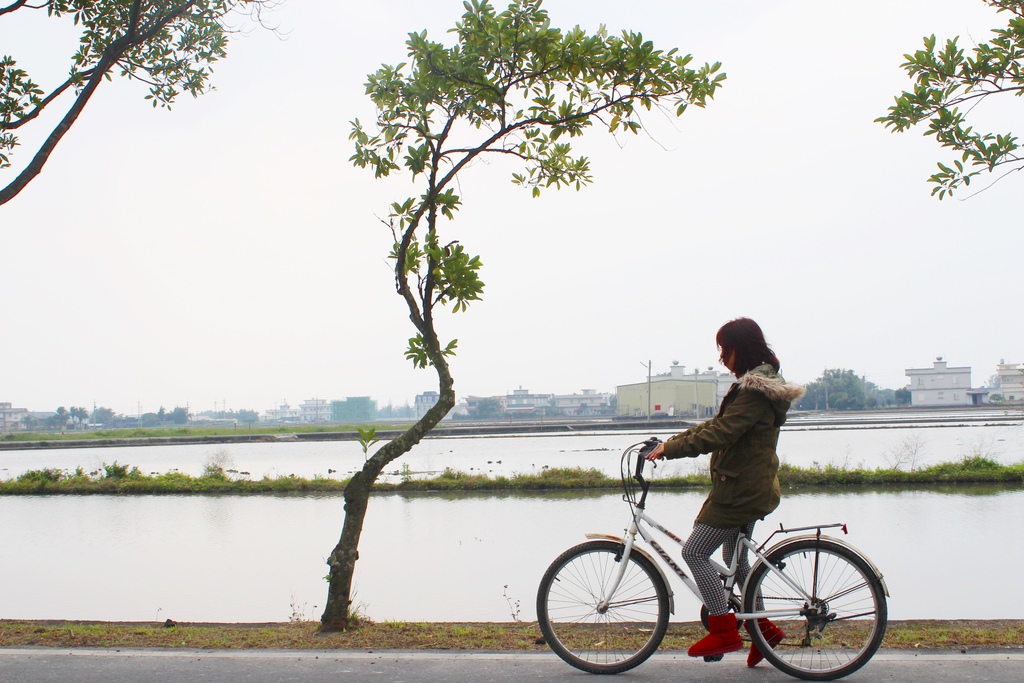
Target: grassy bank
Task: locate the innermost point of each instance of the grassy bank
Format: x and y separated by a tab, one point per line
124	479
393	635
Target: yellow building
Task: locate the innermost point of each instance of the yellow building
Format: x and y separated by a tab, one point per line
675	394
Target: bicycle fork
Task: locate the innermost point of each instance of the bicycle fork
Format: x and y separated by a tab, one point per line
613	586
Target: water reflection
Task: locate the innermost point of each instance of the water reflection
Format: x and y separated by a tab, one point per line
980	489
443	557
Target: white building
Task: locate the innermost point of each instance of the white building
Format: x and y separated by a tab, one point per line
424	402
10	418
521	401
1011	381
940	385
283	413
590	402
316	410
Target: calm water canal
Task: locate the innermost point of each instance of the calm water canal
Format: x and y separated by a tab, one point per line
462	557
443	558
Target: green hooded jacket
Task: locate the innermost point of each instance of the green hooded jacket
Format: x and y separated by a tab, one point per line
742	440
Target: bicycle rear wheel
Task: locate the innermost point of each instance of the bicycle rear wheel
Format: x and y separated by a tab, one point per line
844	622
610	641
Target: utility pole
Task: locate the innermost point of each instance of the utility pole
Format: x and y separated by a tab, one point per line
648	366
696	393
824	376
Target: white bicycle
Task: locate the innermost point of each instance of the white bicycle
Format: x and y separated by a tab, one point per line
603	606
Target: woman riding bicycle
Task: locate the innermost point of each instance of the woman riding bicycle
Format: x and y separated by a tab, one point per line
744	475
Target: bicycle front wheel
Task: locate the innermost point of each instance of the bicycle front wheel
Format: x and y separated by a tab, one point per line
843	603
611	640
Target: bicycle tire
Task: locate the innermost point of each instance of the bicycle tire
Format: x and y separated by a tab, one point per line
621	637
851	612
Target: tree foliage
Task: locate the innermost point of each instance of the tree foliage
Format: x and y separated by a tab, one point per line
104	416
79	415
947	78
178	416
489	409
839	389
170	45
514	87
59	419
836	389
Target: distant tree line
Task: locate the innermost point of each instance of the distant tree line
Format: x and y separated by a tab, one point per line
839	389
60	420
393	412
78	418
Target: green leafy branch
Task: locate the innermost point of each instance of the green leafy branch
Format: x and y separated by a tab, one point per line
947	78
515	86
170	45
367	437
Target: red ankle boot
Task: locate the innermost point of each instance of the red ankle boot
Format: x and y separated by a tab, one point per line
772	633
724	637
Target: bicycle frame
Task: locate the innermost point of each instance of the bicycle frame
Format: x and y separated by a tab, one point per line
640	523
641	520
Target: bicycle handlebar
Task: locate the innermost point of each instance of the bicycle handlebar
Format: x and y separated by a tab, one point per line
641	456
641	461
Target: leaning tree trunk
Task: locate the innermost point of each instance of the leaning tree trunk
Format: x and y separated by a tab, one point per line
342	561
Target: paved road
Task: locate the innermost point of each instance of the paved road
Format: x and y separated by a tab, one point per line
43	665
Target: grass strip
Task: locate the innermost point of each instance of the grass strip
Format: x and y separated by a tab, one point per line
123	479
397	635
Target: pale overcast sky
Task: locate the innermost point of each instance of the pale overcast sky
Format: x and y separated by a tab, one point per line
226	251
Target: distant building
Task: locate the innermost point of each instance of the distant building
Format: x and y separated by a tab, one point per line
675	393
1011	381
941	385
315	410
473	404
10	418
354	409
522	402
424	402
428	399
590	402
283	413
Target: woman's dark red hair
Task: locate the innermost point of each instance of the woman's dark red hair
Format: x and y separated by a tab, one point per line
744	338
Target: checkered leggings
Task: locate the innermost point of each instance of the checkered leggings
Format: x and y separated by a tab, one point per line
696	552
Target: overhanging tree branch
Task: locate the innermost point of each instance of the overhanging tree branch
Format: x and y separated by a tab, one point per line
945	78
172	42
39	159
18	4
21	121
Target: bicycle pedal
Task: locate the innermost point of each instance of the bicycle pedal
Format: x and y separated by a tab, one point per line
714	658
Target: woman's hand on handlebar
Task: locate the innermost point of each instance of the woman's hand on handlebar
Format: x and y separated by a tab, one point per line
658	453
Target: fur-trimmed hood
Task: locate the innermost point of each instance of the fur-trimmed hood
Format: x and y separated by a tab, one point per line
765	380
